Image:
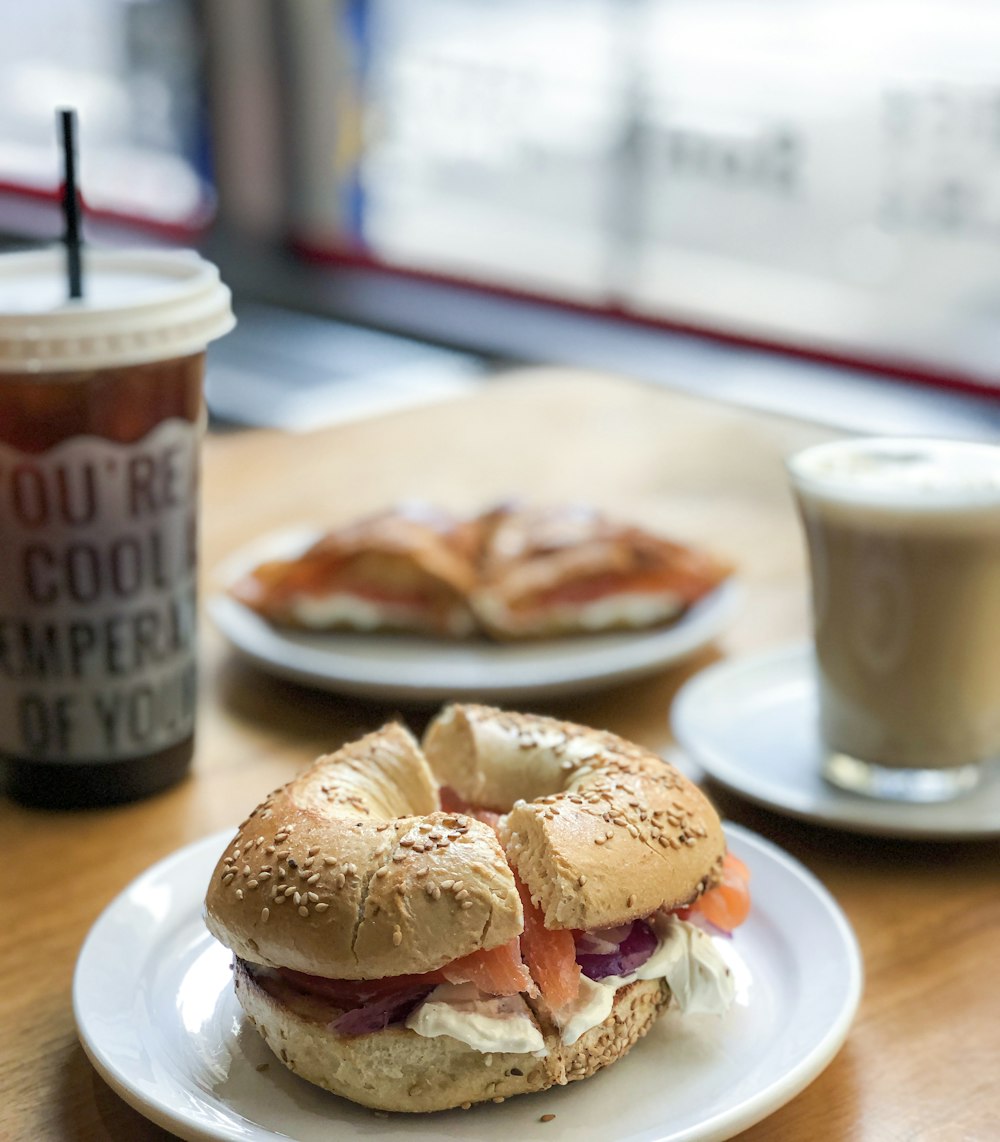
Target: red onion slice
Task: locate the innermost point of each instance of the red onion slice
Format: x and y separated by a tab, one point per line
633	951
380	1013
602	941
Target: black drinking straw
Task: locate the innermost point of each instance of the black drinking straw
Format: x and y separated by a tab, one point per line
71	201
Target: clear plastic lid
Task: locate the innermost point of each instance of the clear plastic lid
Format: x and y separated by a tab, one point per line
140	305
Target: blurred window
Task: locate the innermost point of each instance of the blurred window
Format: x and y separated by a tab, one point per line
133	70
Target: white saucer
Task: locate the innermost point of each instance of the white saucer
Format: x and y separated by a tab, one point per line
406	668
752	724
156	1013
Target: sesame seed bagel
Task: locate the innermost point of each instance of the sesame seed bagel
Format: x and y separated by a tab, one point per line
600	831
399	1070
330	875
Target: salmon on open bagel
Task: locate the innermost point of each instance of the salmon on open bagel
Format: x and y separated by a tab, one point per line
505	909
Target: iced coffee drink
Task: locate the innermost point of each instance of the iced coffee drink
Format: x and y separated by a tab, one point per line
101	414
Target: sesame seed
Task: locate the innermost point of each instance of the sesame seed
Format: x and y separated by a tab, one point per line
397	937
264	913
340	880
239	893
630	901
322	907
312	879
446	884
383	871
303	910
330	862
252	883
581	880
296	897
467	904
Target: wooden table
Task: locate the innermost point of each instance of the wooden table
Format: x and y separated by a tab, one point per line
923	1059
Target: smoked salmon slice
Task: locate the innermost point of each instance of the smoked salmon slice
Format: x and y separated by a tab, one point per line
726	905
550	955
496	971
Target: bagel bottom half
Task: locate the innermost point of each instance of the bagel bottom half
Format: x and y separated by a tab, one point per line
397	1069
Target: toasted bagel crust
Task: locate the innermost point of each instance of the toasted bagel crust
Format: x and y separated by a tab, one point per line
397	1069
600	830
340	873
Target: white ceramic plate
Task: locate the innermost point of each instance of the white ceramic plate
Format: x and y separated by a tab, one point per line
157	1015
407	668
752	723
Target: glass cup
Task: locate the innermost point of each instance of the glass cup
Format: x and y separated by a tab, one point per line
101	415
904	549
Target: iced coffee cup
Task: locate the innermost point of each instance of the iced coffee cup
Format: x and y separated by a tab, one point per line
904	548
101	414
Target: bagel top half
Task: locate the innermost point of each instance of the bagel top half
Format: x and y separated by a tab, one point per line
353	871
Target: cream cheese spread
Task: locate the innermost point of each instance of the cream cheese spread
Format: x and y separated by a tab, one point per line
343	609
633	609
699	979
487	1023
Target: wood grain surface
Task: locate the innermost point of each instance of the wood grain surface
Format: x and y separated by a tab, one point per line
922	1062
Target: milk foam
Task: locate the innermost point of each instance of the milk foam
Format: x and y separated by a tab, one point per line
903	474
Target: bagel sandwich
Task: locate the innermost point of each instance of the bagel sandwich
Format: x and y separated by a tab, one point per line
568	569
410	569
510	573
505	908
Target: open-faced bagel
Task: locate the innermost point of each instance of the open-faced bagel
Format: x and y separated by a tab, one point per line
353	872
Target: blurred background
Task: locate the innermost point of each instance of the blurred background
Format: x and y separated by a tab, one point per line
780	202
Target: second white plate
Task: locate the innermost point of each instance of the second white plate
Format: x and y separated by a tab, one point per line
407	668
752	723
157	1015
